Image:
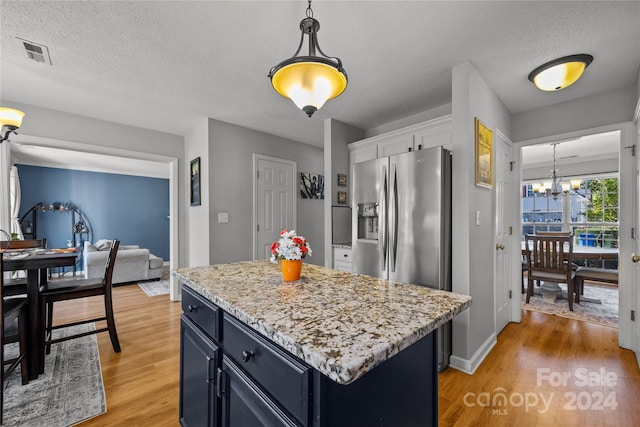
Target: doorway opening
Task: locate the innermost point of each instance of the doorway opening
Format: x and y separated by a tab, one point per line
572	185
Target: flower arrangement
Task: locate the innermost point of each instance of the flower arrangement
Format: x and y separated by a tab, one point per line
289	246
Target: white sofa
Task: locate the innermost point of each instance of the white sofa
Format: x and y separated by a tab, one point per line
133	264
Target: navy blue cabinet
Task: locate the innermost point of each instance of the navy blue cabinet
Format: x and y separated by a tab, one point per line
199	361
231	376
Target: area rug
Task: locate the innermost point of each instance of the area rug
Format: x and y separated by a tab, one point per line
70	390
155	288
605	313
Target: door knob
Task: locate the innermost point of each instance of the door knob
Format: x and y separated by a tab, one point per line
635	257
499	247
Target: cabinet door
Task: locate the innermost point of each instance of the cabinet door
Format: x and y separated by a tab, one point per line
245	404
199	358
395	145
438	136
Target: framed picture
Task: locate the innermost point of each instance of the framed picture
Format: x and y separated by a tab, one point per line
342	180
342	197
484	155
195	181
311	186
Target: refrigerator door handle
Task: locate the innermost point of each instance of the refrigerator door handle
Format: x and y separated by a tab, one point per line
382	216
393	218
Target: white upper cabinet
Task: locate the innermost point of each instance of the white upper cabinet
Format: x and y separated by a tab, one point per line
395	145
432	133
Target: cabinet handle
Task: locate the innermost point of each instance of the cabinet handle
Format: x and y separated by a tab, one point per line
246	355
345	255
192	308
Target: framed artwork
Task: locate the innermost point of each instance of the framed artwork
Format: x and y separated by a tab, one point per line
342	180
342	197
484	155
195	181
311	186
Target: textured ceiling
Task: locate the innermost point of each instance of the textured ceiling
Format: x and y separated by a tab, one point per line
166	65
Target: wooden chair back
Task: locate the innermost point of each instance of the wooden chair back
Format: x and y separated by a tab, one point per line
81	288
553	233
550	259
549	253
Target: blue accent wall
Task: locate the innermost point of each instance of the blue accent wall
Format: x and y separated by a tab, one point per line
133	209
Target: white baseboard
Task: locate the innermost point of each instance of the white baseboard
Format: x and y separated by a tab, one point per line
469	366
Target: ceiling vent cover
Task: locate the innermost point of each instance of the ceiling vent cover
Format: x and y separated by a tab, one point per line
34	51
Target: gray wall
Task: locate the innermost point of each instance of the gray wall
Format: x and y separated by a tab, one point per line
197	217
230	166
337	136
602	109
473	252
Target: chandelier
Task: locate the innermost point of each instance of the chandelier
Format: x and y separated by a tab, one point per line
556	185
309	81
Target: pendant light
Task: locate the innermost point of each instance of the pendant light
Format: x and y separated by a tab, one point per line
560	73
10	121
309	81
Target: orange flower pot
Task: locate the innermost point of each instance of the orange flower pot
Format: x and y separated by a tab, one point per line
291	269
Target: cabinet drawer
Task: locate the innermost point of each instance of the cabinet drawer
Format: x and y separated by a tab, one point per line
202	312
342	254
244	404
283	377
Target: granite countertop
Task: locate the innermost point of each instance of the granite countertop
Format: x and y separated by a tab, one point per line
339	323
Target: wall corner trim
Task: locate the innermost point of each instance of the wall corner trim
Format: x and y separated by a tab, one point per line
469	366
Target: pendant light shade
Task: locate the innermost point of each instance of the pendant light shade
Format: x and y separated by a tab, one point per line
560	73
309	81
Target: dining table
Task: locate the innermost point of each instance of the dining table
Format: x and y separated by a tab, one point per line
583	253
37	262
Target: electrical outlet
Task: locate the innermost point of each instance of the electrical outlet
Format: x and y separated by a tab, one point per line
223	216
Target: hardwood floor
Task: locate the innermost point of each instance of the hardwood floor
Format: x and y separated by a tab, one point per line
141	382
528	362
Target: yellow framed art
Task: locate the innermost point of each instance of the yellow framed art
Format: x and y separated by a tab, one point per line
484	155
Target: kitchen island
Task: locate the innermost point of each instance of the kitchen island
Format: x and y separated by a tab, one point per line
331	349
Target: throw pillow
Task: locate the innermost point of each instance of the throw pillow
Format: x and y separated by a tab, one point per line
89	247
103	245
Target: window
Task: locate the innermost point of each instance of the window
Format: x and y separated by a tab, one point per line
592	212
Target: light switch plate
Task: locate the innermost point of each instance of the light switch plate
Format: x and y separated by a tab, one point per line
223	216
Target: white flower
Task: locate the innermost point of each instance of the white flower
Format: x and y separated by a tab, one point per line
289	246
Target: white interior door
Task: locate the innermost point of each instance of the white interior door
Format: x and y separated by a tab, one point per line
503	231
274	201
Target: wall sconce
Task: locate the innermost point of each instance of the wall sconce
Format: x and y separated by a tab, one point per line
11	120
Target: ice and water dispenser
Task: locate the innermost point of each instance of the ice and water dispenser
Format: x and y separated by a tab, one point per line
368	221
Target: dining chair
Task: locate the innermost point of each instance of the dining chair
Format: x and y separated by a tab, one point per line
550	260
13	328
55	291
18	285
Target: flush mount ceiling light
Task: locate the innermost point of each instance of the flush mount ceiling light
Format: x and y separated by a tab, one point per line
309	81
560	73
10	121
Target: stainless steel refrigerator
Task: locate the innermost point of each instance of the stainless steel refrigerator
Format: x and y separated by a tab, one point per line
401	223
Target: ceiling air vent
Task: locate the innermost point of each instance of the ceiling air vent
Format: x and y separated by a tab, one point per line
34	51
